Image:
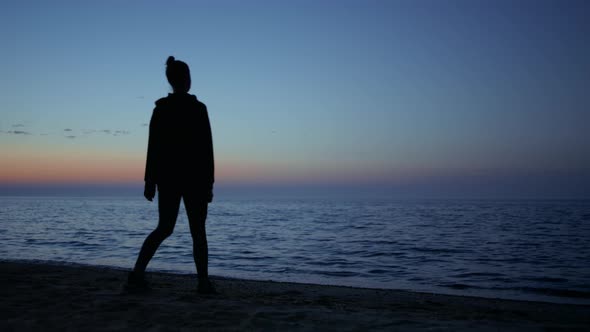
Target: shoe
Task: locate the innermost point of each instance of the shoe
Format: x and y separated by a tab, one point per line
136	282
206	287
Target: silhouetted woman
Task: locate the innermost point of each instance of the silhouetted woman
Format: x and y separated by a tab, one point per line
180	165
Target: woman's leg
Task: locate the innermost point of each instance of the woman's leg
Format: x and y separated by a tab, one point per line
168	205
196	210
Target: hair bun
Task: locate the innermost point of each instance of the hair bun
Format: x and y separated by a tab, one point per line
170	60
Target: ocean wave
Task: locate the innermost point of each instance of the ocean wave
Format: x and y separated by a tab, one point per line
522	250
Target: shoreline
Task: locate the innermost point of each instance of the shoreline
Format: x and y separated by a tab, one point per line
43	296
538	298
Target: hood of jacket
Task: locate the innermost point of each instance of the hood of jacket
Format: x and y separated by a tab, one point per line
176	98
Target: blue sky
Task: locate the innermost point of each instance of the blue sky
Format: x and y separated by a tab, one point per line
408	94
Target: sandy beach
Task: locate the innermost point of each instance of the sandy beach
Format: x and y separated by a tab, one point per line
41	297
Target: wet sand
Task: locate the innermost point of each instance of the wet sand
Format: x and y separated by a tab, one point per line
46	297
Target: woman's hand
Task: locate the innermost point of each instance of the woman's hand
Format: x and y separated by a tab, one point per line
149	191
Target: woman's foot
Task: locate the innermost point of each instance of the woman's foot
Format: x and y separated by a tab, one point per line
137	282
206	287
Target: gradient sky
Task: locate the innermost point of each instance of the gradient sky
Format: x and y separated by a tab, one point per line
437	95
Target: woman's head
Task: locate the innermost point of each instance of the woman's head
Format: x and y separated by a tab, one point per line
178	74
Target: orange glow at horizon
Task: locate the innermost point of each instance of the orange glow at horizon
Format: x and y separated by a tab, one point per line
48	168
43	170
38	166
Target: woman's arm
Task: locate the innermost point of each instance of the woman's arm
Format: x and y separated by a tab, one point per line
150	176
210	168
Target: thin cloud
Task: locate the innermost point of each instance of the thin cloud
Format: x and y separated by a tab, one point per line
118	132
18	125
71	136
18	132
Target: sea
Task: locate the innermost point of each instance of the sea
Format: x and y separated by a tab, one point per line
534	250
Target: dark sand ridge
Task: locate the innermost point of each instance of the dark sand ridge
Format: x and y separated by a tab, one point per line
43	297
